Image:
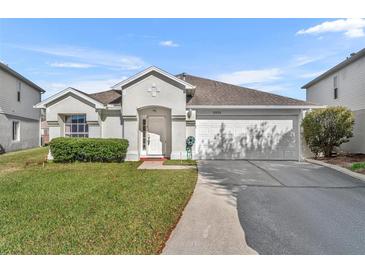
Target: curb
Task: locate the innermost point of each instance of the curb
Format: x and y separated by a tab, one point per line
338	168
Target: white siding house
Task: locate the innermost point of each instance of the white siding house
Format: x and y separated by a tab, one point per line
19	121
344	85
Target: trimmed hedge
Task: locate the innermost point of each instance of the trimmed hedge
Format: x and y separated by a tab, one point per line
65	149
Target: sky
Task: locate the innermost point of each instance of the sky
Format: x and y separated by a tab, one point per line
273	55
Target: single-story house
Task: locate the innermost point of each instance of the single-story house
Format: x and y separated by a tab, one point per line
156	111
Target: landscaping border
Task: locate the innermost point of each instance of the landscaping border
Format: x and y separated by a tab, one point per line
338	168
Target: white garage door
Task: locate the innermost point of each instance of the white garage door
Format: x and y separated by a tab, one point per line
251	137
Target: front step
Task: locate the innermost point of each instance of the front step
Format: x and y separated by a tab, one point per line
154	158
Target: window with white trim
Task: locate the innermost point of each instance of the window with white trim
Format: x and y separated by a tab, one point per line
76	126
335	88
16	131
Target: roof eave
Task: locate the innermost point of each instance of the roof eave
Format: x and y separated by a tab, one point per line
336	68
255	106
43	104
21	77
120	85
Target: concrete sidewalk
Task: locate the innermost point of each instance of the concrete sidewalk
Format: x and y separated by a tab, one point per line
209	224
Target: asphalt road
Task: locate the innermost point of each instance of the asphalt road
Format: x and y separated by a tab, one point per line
294	207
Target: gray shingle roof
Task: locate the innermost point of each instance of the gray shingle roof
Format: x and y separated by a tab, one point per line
210	92
107	97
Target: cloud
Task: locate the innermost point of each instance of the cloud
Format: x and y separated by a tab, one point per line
87	85
311	74
251	76
169	43
70	65
354	33
91	56
302	60
352	28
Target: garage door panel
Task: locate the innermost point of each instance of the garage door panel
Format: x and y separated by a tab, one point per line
270	138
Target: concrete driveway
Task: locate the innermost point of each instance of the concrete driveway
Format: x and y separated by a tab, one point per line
293	207
209	224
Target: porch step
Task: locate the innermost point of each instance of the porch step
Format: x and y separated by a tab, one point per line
162	158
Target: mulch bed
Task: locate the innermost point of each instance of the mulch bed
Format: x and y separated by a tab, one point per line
345	160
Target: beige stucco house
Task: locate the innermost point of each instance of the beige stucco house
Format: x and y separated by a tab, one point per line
344	85
19	121
156	111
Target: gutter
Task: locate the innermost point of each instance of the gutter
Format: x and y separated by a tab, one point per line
254	107
9	70
346	62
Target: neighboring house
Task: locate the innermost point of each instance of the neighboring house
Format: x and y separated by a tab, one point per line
344	85
157	111
19	121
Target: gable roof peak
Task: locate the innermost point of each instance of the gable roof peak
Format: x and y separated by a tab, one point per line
74	91
120	85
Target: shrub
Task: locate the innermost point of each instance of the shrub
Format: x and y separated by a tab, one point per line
325	129
88	149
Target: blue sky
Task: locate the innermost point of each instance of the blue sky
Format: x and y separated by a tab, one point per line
274	55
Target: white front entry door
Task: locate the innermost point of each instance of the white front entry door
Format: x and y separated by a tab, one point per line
156	135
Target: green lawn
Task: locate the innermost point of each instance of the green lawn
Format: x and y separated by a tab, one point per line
180	162
14	161
87	208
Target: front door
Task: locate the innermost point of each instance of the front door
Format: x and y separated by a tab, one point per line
156	135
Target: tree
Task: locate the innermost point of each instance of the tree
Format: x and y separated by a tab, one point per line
327	128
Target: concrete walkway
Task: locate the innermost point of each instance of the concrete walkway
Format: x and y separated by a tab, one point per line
159	165
209	224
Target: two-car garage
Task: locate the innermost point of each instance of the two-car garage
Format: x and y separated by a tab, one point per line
269	137
234	122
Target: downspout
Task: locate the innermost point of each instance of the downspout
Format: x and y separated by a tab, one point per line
101	124
300	118
40	132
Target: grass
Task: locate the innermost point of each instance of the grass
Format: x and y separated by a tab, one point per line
87	208
357	166
180	162
18	160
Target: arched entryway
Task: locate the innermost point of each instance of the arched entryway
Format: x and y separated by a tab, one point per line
154	131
